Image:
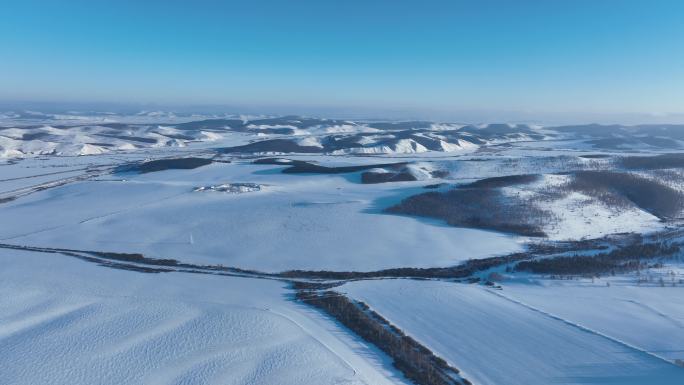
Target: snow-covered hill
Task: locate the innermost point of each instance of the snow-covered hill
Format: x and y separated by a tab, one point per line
34	133
28	134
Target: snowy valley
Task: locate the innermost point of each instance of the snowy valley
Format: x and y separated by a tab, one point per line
161	247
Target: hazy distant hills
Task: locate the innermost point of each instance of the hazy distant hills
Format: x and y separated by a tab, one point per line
30	133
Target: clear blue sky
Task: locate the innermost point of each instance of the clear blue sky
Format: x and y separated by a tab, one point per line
507	55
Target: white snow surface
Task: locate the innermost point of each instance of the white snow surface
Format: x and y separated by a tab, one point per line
645	315
65	321
494	340
312	222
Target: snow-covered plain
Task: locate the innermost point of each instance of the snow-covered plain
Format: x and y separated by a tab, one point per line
645	315
494	340
64	321
306	220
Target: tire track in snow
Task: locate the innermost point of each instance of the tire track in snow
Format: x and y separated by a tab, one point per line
131	208
674	321
86	220
582	328
305	331
46	174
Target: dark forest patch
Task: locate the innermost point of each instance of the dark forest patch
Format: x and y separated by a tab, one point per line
102	144
653	162
130	138
176	136
481	204
483	208
165	164
211	124
414	360
503	181
627	258
35	135
372	177
272	145
302	167
433	186
617	190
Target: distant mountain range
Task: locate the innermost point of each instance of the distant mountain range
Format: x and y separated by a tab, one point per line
29	133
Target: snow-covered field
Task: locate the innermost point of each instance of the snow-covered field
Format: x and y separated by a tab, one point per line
645	315
64	321
494	340
306	220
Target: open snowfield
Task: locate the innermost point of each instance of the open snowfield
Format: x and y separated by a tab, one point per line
65	321
312	222
646	316
494	340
